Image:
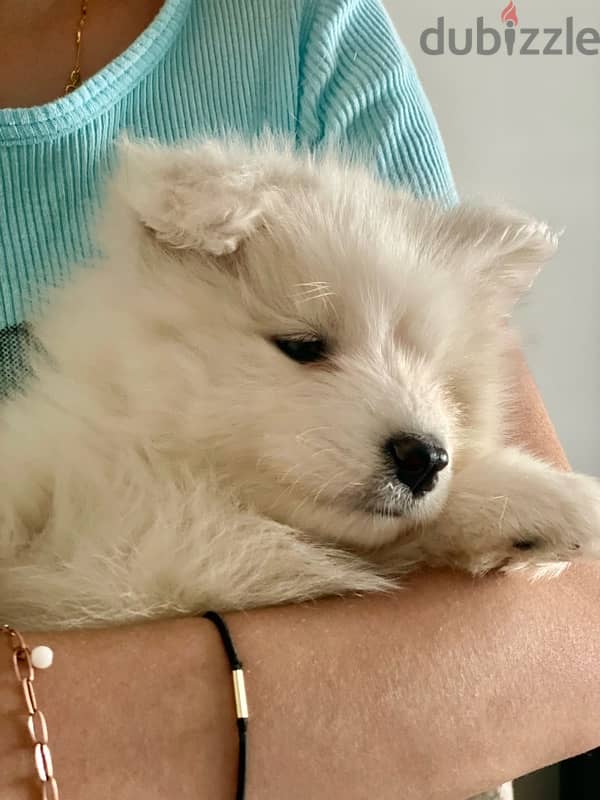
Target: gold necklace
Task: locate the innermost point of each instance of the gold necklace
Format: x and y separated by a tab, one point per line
75	76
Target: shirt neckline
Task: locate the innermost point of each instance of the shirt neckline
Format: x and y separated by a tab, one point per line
102	90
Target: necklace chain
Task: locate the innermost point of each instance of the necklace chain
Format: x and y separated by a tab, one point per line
75	76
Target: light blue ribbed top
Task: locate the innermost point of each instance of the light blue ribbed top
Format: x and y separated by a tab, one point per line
315	70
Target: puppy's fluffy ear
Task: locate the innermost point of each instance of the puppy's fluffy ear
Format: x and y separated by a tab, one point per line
207	197
503	249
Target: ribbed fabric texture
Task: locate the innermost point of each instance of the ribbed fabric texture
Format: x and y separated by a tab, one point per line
315	70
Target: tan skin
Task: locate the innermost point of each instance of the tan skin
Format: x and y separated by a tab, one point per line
38	43
435	693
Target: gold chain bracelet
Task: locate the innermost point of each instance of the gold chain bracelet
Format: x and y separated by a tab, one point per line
23	664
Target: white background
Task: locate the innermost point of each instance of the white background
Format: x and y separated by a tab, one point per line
526	130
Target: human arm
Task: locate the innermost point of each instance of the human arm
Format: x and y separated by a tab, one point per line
530	425
440	690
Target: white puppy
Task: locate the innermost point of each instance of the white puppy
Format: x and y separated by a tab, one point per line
285	379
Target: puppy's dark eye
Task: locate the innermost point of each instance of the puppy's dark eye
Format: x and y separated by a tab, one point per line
303	349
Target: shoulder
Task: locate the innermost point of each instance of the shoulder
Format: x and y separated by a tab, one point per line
359	88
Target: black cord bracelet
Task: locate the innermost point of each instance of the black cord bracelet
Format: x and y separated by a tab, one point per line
241	703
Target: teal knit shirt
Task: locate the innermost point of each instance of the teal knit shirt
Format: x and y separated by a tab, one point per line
315	70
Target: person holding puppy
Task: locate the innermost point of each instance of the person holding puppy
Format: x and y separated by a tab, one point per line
349	697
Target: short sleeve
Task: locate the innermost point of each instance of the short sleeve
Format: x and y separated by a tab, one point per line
359	89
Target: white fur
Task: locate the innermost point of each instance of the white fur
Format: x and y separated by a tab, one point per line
167	457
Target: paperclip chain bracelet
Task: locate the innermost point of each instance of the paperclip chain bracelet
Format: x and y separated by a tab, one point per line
241	702
24	660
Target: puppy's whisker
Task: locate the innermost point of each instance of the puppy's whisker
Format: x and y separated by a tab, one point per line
335	497
323	488
302	469
345	488
502	515
302	464
316	496
301	436
319	290
322	296
314	286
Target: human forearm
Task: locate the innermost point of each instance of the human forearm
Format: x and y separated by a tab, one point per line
446	689
437	692
134	712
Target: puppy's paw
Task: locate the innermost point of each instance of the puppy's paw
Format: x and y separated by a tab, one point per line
568	530
512	512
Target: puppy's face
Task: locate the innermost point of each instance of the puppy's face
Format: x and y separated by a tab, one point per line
336	333
329	406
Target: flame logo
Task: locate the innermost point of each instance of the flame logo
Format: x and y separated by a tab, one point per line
509	14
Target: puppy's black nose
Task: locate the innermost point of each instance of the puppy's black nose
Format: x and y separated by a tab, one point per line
417	461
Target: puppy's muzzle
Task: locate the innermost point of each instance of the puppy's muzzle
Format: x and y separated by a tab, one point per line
417	460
